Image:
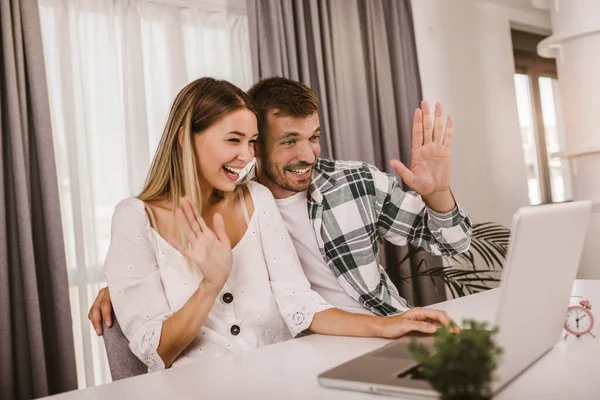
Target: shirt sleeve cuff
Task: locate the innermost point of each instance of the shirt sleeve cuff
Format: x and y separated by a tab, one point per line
448	219
301	318
147	346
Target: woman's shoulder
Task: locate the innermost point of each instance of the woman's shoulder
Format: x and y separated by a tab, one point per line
256	188
130	205
130	213
261	195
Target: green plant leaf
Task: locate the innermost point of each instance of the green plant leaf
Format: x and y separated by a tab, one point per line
478	279
483	252
489	247
460	366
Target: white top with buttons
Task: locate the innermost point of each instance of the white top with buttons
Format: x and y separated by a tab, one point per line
149	281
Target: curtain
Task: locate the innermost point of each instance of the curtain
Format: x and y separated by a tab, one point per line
113	69
360	57
36	344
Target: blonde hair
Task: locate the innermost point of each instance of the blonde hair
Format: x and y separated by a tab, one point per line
174	170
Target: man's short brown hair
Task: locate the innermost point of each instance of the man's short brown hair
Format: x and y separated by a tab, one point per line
289	97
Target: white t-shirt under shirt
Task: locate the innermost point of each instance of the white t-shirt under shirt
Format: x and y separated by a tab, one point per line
323	281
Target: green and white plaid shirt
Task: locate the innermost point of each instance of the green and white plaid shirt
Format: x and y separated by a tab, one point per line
352	204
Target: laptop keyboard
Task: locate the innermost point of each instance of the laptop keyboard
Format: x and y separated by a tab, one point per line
399	349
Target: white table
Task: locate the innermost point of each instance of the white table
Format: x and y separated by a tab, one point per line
289	370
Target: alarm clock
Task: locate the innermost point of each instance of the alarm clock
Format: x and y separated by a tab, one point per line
580	320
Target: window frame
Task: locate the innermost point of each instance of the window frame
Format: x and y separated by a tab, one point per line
529	63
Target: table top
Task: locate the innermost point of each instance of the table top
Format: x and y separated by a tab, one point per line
288	370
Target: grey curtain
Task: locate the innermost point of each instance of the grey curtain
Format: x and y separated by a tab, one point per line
360	57
36	338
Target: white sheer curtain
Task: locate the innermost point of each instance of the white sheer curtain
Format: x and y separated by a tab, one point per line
114	67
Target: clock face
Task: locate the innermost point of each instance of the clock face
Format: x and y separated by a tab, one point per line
579	320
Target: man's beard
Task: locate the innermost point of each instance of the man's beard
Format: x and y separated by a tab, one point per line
279	176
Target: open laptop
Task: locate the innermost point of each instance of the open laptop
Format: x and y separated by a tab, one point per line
541	265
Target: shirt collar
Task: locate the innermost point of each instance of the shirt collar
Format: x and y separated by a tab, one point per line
321	183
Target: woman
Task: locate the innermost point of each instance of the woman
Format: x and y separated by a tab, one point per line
201	267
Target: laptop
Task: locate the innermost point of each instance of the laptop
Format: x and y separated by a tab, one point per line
542	261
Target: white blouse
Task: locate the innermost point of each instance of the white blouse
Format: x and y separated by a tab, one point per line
267	298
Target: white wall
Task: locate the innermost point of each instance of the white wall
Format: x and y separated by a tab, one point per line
575	43
465	58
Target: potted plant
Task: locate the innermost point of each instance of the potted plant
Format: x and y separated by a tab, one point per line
460	366
472	271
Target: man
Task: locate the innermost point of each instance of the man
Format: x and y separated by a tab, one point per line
335	210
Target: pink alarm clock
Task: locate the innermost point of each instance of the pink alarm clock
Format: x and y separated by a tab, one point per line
580	319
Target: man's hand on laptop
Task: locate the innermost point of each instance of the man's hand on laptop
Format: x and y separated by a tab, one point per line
101	311
417	319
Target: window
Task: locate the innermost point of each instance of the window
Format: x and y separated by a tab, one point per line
113	68
542	134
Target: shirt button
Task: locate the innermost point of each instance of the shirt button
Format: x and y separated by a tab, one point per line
235	330
227	298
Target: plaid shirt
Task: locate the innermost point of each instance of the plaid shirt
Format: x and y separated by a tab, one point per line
352	204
